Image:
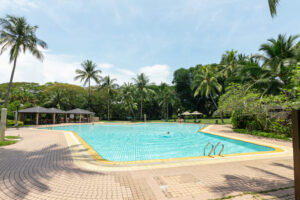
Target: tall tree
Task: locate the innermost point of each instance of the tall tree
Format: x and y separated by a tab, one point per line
279	55
88	72
127	97
141	82
206	83
229	61
109	86
17	35
166	97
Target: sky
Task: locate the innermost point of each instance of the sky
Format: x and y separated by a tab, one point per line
128	37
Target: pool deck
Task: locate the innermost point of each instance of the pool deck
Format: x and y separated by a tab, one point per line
50	165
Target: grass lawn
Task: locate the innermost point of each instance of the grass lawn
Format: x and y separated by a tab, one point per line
203	121
261	133
12	137
9	140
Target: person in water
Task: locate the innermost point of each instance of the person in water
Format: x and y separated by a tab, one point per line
168	133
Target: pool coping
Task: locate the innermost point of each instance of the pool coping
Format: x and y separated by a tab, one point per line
99	159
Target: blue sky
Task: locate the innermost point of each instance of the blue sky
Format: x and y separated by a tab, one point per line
126	37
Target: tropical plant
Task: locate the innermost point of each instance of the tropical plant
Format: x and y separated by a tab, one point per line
109	86
206	84
65	96
229	61
166	97
56	98
279	56
128	98
255	77
88	73
141	83
273	7
18	35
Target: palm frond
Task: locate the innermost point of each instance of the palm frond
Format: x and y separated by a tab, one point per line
273	7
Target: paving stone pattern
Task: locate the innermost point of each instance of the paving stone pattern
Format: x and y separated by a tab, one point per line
41	167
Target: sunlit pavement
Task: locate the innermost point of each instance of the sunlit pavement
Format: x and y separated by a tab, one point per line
41	167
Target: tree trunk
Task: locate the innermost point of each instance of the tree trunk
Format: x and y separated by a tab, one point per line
4	110
10	83
217	108
141	117
108	110
167	112
89	98
132	113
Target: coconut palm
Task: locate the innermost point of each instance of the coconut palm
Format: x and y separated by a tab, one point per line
166	97
229	61
109	87
206	83
256	77
18	36
273	7
141	82
127	97
88	72
279	55
56	99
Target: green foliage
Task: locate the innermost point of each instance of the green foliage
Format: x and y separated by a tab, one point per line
65	96
251	111
257	92
262	133
7	142
237	120
12	137
11	123
283	127
273	7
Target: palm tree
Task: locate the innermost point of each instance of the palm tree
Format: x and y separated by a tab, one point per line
279	54
110	87
88	73
229	61
206	83
254	76
273	7
17	35
141	82
57	99
166	97
127	92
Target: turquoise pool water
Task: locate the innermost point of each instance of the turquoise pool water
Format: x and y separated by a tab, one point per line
149	141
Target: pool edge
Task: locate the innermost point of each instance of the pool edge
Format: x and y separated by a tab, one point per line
97	157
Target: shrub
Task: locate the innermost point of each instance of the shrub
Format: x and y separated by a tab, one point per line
11	123
238	121
252	125
282	127
174	116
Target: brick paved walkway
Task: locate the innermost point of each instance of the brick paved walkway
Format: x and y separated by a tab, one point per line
41	167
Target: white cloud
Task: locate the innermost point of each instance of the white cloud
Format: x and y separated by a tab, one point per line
157	73
24	5
61	68
105	66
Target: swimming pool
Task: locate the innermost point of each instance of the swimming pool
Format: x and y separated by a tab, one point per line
149	141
